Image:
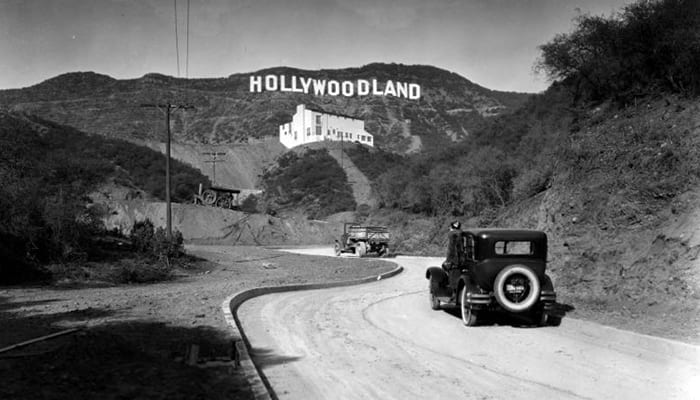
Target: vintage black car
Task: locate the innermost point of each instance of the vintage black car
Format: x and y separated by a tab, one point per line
491	270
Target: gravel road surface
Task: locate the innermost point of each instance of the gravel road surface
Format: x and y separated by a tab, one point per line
382	341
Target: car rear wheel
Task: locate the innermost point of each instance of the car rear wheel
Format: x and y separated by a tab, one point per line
516	288
432	289
469	316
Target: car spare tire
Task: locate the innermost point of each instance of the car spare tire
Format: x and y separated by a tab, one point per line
516	288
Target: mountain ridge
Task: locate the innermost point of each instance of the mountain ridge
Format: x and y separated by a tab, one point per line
227	112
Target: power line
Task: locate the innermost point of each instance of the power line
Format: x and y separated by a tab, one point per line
177	45
187	53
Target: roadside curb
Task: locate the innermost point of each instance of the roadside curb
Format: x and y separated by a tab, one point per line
261	387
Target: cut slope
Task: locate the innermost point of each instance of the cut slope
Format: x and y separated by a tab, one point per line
361	186
619	212
240	166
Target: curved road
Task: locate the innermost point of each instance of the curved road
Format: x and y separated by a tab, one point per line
382	341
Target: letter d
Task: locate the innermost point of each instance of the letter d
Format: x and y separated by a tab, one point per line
414	91
362	87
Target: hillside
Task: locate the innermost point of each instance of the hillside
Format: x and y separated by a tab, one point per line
621	212
605	162
227	112
62	157
51	174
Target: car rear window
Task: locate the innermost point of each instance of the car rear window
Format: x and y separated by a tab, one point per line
518	248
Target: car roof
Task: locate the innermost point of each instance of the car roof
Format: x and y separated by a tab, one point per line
507	234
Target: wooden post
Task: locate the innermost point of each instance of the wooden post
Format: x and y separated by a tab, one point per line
167	107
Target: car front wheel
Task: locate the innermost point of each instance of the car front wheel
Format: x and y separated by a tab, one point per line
336	249
469	316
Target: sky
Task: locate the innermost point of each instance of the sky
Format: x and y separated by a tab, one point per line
493	43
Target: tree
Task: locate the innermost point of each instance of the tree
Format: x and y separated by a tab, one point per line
649	46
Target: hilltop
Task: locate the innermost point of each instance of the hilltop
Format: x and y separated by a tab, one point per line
227	112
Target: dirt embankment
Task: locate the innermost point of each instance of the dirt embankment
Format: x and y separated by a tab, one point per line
237	165
624	233
212	225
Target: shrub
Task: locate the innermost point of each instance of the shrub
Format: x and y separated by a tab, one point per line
250	204
154	242
142	236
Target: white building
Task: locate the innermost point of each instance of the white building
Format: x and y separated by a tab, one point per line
309	125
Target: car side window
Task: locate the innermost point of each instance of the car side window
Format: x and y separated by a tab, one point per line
469	247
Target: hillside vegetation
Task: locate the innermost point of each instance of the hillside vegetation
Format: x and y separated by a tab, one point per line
311	182
227	112
47	172
606	161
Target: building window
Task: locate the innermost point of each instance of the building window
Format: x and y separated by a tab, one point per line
308	131
295	135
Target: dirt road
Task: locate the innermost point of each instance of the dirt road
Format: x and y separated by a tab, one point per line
382	341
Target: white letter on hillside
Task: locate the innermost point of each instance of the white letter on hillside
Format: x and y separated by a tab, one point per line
362	87
319	86
256	84
414	91
270	83
389	89
375	89
295	88
402	89
333	88
348	89
305	84
283	80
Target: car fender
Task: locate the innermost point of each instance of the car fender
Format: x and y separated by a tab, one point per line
437	274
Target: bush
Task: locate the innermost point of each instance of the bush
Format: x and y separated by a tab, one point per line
250	204
154	242
142	236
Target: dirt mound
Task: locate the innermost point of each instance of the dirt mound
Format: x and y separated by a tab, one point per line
211	225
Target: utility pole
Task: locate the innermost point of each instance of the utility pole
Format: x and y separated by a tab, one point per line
213	162
167	108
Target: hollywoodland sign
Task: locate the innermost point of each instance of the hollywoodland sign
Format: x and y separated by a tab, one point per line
321	87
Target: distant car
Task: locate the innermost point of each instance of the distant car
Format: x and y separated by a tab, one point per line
497	270
362	240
